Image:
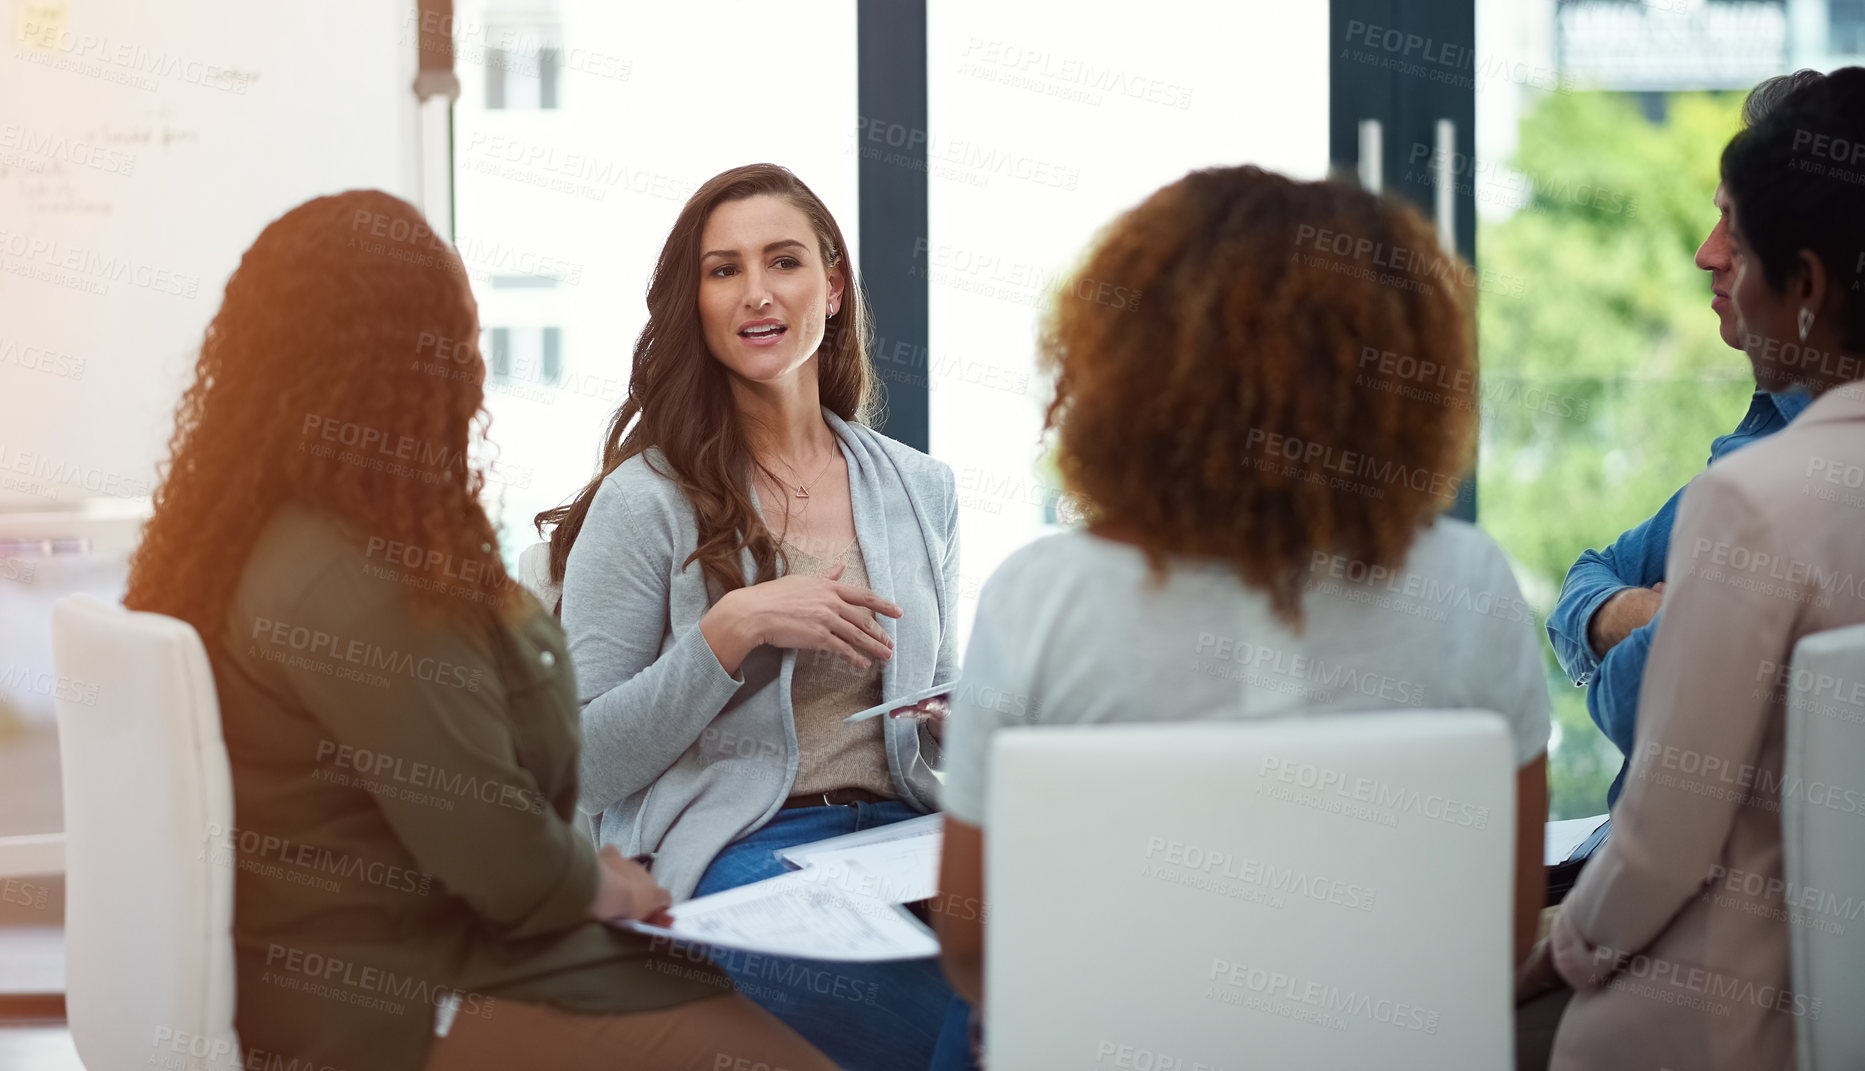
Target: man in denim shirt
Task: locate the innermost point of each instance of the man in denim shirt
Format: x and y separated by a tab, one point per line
1609	606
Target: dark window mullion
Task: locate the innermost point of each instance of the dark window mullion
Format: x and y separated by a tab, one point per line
1364	84
547	68
891	92
552	363
495	78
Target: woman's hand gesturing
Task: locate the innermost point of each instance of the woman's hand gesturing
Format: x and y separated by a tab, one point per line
811	613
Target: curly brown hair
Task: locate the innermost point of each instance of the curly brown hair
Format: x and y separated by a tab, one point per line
1262	400
318	382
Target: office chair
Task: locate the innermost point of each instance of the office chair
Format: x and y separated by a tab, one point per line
534	575
1823	845
148	905
1327	891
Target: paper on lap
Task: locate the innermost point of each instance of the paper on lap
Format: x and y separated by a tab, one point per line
843	904
926	825
801	916
1564	837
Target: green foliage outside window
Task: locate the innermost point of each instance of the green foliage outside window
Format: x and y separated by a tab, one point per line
1604	377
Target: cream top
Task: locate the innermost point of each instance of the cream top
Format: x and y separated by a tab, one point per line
824	690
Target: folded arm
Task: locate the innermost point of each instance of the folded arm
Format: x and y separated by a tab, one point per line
1612	701
1634	560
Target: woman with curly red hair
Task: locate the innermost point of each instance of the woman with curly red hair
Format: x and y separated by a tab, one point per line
400	717
1262	448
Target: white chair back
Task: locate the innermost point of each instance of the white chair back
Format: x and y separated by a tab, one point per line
534	574
1823	834
148	906
1327	891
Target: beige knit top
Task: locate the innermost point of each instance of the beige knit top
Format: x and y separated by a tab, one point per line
824	690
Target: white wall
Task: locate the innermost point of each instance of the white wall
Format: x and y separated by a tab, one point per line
143	147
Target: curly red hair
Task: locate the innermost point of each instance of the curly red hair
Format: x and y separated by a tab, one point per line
1260	401
318	381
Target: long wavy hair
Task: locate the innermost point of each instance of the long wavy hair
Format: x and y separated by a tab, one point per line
340	372
680	400
1255	370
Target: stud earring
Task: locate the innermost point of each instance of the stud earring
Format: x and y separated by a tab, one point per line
1806	323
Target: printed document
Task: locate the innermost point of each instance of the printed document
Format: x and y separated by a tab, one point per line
801	916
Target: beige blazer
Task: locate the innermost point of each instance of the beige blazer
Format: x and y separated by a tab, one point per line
1676	937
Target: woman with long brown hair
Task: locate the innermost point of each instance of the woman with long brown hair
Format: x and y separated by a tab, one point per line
751	564
400	717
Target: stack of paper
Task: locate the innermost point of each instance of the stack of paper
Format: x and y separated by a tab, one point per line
842	904
796	916
897	863
1564	837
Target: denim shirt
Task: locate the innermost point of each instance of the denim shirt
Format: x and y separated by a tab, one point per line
1636	559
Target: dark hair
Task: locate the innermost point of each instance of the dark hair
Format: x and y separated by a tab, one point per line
683	399
315	353
1770	92
1231	398
1797	181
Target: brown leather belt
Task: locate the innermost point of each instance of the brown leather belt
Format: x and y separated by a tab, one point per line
835	797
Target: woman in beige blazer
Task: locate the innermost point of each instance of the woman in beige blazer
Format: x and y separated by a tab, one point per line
1675	940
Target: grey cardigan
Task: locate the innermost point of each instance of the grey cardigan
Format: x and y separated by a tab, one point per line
680	758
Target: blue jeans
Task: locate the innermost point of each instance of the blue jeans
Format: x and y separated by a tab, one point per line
895	1016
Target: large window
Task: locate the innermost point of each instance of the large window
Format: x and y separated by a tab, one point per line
1047	120
523	68
1846	26
1605	380
581	128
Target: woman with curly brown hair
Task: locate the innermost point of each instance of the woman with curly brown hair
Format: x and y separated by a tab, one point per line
1262	447
751	564
400	717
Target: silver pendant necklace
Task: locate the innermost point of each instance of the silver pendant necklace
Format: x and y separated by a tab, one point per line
802	489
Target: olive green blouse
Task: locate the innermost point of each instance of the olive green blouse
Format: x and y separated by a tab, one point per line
404	793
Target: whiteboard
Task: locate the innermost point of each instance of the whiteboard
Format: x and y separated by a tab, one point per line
143	146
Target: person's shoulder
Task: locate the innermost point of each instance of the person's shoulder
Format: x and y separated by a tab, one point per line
1047	566
1765	479
1456	550
1458	576
641	491
1452	539
311	562
1779	464
645	477
299	544
314	579
917	468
